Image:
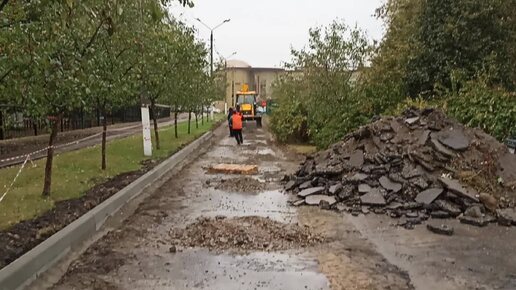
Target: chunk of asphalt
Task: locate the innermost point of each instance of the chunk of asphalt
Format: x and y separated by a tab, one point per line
506	217
440	229
457	188
389	185
358	177
412	214
411	121
374	197
357	159
394	205
440	214
310	191
474	221
454	139
473	211
424	137
448	207
409	172
419	182
428	196
299	202
290	185
316	199
364	188
335	189
305	185
346	192
436	144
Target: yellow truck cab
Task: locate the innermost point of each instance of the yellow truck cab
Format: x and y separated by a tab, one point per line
249	107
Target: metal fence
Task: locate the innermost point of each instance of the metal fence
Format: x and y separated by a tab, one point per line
13	124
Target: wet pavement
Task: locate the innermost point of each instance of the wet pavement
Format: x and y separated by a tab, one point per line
364	252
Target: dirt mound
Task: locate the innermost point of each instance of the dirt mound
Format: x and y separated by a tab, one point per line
241	185
418	165
244	233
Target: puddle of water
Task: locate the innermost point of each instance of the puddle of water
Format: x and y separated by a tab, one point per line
272	204
200	269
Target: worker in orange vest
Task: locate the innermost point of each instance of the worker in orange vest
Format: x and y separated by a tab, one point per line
236	125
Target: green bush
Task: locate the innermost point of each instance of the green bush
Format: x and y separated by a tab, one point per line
491	109
289	121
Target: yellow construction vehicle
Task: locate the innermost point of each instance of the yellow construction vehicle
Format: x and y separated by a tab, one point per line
249	106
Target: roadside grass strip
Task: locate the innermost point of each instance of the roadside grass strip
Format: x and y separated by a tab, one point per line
76	172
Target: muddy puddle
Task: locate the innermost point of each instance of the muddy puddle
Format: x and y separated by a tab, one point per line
201	269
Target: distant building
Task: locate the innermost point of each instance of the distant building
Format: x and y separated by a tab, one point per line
239	73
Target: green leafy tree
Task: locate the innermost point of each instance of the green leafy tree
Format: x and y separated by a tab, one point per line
109	78
55	46
470	37
330	67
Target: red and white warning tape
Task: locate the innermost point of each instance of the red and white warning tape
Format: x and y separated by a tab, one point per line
14	180
46	148
28	158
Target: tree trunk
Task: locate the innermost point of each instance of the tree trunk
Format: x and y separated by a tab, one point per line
104	137
2	125
202	115
82	117
50	156
155	121
189	121
35	127
197	120
98	118
175	123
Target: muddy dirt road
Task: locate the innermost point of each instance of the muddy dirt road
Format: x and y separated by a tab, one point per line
202	231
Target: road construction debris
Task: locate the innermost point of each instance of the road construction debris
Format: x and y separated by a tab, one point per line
233	169
241	184
317	199
440	229
417	166
244	233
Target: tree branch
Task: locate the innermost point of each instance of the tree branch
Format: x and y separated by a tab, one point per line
92	39
6	74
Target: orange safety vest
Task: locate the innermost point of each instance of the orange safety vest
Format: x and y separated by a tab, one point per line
237	121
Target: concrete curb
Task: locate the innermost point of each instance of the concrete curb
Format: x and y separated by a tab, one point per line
25	269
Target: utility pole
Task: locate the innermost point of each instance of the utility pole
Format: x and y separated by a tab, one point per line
226	79
211	39
211	52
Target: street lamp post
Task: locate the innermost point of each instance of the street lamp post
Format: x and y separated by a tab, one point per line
226	77
211	39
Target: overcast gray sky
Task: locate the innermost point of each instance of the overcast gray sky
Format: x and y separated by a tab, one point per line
262	31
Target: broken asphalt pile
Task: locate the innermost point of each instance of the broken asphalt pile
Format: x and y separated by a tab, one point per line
243	233
416	166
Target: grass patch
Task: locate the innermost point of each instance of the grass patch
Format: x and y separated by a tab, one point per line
77	171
